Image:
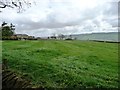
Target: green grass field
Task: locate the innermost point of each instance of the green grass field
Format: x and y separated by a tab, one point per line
50	63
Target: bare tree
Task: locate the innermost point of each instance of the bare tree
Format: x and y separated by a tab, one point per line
53	36
21	5
61	36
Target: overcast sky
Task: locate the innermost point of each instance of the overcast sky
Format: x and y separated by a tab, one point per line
64	17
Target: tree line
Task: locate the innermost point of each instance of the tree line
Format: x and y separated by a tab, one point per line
6	31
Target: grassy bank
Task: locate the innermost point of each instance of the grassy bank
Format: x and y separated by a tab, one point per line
64	63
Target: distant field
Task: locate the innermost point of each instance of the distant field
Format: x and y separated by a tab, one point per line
111	36
63	64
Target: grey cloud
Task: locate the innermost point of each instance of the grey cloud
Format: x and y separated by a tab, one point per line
111	8
58	16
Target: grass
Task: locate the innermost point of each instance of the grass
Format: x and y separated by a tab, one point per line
63	64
